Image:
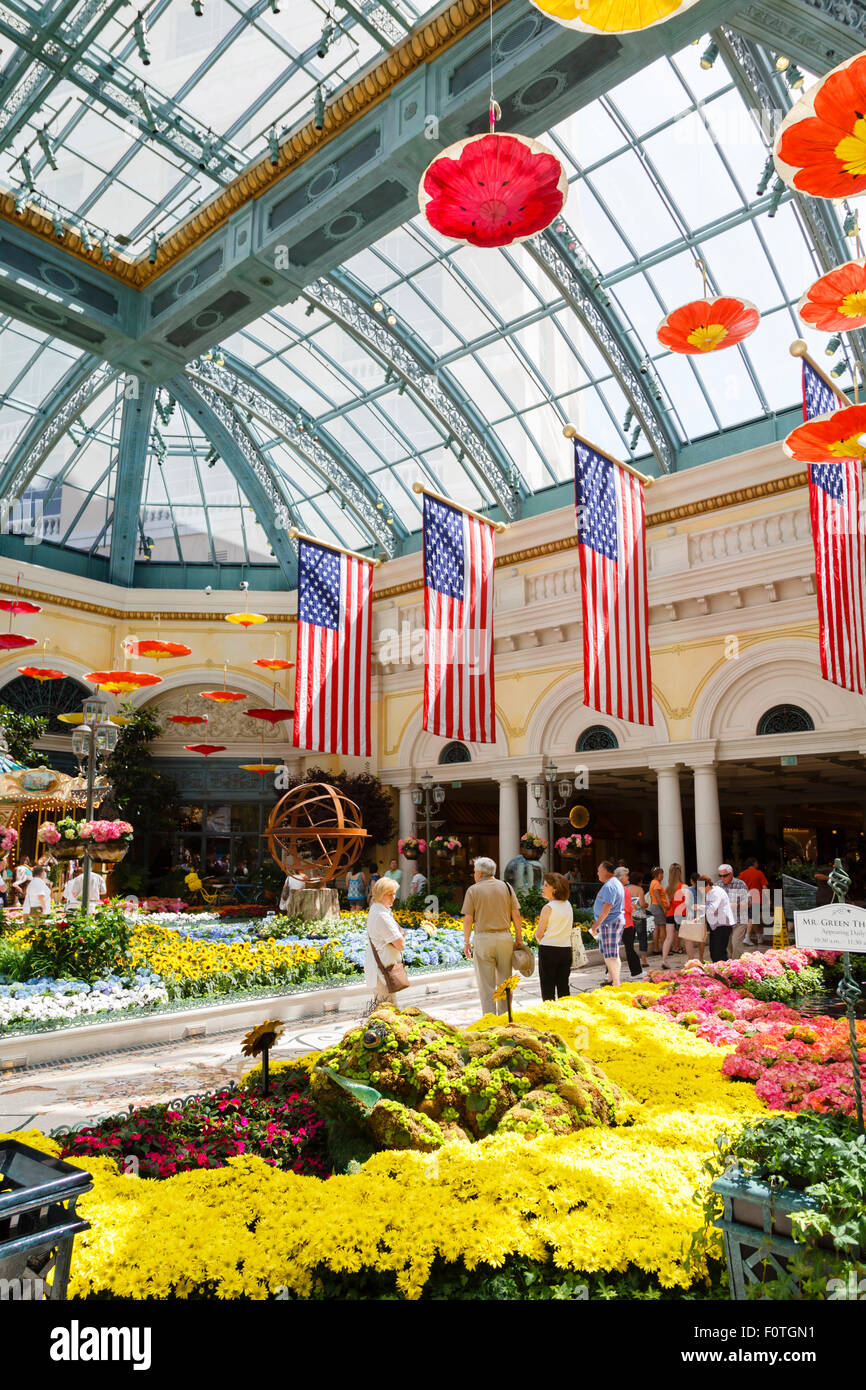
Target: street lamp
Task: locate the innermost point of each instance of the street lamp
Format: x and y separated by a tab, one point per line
428	795
551	794
92	741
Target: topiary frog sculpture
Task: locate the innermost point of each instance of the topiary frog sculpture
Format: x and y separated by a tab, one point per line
404	1080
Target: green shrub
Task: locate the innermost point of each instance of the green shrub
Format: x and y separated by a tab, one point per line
75	947
15	963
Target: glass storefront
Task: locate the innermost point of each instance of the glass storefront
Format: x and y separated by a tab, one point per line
223	839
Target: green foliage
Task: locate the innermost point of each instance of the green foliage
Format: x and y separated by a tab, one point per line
785	988
128	878
143	794
21	732
298	928
75	947
372	799
15	965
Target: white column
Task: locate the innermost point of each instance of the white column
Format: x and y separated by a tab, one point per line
670	818
509	821
708	824
407	824
536	821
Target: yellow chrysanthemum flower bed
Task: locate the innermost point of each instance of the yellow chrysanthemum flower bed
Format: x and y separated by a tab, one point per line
600	1199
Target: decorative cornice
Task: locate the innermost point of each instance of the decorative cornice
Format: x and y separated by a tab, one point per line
790	483
132	615
425	42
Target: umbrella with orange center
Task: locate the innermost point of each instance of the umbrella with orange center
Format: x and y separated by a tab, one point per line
708	325
836	303
154	647
41	673
829	438
122	682
223	697
246	619
205	749
261	768
611	16
273	663
821	144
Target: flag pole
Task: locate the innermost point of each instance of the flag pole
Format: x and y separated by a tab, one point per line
571	433
297	535
498	526
800	348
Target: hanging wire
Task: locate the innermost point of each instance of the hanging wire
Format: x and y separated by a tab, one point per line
495	108
702	267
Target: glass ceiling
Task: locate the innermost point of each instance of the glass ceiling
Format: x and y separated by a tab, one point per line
663	169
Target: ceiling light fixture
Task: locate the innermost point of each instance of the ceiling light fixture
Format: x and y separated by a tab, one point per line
139	29
775	198
198	8
146	109
378	306
105	248
273	146
326	40
319	110
154	249
20	200
794	78
709	55
833	346
839	369
764	181
634	438
27	169
390	318
45	147
57	225
782	62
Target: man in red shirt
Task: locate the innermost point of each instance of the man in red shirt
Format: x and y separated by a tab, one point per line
756	882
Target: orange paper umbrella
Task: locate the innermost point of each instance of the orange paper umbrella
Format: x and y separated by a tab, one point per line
19	605
829	438
223	697
837	302
122	682
152	646
41	673
186	719
707	325
821	145
205	748
246	619
273	663
271	716
10	641
260	768
611	16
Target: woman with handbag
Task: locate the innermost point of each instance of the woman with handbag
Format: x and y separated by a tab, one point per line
693	927
384	971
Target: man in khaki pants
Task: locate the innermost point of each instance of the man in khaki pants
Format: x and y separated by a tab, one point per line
490	906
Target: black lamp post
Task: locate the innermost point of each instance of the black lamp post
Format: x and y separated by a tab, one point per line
428	795
552	794
91	742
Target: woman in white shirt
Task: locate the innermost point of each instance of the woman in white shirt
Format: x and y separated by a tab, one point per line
385	934
720	918
554	938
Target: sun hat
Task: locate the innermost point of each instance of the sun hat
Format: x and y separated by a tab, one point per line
523	960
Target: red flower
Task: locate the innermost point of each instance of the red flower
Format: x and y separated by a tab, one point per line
492	190
821	145
837	302
829	438
708	325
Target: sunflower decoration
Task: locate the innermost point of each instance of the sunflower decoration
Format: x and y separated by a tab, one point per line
708	325
505	991
832	438
821	145
611	16
259	1041
836	303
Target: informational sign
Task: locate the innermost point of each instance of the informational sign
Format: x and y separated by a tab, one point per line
836	927
789	760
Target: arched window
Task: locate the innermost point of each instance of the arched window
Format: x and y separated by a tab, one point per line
785	719
596	738
454	753
46	698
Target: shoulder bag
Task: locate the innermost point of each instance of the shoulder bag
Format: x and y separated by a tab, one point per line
395	975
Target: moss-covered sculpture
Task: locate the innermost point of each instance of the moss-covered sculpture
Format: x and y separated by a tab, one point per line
404	1080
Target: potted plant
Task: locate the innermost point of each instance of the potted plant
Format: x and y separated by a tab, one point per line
64	839
532	846
106	840
445	845
411	848
573	846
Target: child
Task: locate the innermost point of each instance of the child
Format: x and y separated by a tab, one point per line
37	898
554	938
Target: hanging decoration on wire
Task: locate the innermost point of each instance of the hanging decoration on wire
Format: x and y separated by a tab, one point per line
224	696
122	682
12	641
493	190
155	648
829	438
205	749
273	662
821	144
836	302
41	672
611	16
246	619
270	714
708	324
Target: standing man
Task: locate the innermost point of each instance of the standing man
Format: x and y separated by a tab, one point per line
75	887
395	872
609	913
490	907
738	896
756	882
37	898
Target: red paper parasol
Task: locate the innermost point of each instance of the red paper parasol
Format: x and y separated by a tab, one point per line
492	190
246	619
122	682
41	673
708	325
10	641
260	768
837	302
223	697
271	716
186	719
821	145
829	438
154	647
205	748
19	605
273	663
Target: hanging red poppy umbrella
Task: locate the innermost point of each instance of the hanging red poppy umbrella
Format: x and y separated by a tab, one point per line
19	605
611	16
708	325
273	663
11	641
154	647
223	697
836	303
492	190
829	438
122	682
205	748
821	145
41	673
271	716
186	719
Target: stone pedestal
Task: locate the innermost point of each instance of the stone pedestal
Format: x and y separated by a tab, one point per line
310	903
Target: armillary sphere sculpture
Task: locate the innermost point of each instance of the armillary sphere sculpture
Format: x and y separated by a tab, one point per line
315	830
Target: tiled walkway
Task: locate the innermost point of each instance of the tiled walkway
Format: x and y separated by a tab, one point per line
71	1093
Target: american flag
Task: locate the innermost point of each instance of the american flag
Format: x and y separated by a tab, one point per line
840	557
332	675
458	614
611	533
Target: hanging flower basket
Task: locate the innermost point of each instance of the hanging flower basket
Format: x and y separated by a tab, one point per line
492	190
106	840
411	848
573	846
708	325
821	145
64	840
532	846
611	16
837	302
106	851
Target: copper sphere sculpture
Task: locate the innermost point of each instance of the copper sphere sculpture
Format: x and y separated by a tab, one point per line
315	830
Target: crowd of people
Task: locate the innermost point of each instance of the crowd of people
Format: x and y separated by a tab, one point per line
33	888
